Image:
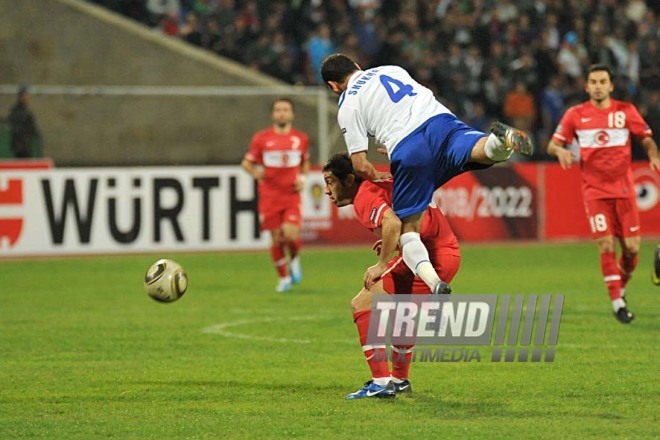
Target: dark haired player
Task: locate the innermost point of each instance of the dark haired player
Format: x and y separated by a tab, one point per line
603	127
279	160
372	202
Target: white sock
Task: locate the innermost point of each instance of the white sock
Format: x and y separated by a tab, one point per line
397	380
295	264
623	292
495	150
417	258
618	303
382	381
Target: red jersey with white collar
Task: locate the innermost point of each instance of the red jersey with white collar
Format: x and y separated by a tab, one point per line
281	156
603	136
373	199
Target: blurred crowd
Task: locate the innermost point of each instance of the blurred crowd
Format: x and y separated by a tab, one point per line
522	61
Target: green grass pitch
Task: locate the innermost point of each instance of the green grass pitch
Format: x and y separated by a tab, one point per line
84	353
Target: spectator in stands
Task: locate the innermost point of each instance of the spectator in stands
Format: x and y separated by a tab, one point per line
169	24
552	108
190	30
520	108
490	44
572	56
23	125
478	119
319	47
158	9
649	74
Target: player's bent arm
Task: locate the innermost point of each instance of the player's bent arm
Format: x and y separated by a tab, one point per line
302	175
651	148
564	156
365	169
390	232
305	166
248	166
554	148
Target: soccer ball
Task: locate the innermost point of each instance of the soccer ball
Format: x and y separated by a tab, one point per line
166	281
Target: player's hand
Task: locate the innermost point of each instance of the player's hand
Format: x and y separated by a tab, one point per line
373	274
300	183
566	158
381	175
377	246
655	164
258	174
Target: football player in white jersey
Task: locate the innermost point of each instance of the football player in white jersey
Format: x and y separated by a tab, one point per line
426	143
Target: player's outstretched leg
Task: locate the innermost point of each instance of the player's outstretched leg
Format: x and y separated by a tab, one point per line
512	138
371	389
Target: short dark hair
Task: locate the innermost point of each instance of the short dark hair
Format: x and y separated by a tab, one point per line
341	166
283	99
599	68
337	67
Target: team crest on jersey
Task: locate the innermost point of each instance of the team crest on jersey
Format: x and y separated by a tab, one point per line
602	137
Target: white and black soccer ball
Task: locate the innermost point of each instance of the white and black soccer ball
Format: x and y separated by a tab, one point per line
166	281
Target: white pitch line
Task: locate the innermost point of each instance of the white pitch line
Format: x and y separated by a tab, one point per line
221	329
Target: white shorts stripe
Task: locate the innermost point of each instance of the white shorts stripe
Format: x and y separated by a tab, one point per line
371	347
379	213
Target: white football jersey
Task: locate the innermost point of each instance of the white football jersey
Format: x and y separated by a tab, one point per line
385	103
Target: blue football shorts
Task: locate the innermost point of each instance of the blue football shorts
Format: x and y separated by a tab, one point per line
428	158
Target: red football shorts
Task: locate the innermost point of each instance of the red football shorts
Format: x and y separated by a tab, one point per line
274	217
616	217
399	278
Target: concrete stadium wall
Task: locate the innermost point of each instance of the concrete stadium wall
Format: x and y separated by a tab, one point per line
69	42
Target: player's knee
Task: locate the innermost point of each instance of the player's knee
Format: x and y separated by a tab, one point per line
361	302
605	246
290	233
632	248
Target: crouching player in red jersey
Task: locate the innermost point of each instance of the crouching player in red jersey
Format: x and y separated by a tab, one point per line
603	127
279	160
372	202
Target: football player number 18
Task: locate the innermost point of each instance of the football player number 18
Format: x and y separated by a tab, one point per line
616	120
598	223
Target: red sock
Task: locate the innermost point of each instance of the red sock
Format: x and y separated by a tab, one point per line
627	265
294	248
376	355
277	254
401	358
611	274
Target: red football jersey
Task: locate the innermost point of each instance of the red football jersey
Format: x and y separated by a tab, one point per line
373	199
604	139
281	156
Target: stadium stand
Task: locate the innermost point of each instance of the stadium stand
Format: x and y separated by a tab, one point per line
472	53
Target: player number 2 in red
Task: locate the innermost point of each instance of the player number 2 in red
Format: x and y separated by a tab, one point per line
598	223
